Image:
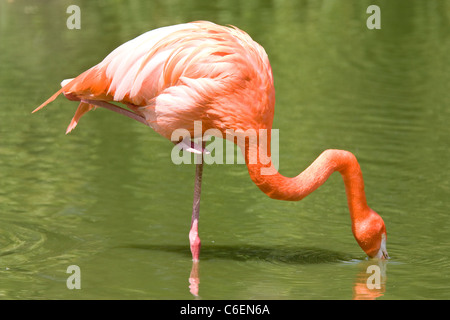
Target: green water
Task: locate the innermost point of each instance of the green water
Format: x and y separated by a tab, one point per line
108	198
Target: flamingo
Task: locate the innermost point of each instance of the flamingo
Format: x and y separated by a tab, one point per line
170	77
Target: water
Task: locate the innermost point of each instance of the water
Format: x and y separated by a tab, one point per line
108	199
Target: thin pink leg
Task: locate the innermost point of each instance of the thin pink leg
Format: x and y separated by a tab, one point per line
113	107
194	239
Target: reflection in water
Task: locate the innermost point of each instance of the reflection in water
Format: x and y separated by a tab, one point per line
370	282
194	279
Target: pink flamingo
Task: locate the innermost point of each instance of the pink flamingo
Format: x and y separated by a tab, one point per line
172	76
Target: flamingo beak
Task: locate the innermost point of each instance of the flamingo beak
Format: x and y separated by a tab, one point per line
382	253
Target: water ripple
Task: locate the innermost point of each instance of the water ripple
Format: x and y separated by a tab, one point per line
17	242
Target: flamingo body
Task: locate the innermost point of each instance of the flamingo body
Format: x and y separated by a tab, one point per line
173	76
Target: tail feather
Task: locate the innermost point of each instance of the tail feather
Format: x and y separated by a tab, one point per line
83	107
64	85
87	84
53	97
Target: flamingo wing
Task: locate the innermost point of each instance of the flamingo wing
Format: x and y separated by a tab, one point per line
175	75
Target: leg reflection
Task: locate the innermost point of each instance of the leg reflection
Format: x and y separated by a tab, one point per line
194	279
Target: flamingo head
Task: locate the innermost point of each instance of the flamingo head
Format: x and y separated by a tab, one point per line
370	233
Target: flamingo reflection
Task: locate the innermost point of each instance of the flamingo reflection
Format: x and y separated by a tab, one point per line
370	282
194	279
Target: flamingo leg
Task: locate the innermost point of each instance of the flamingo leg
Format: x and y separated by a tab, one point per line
194	238
113	107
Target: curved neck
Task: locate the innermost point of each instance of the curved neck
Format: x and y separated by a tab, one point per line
277	186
